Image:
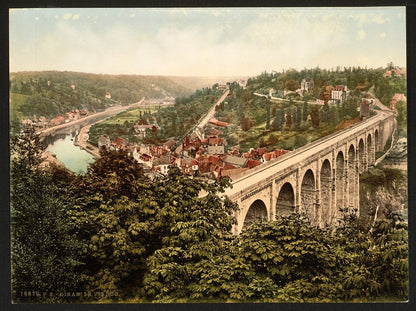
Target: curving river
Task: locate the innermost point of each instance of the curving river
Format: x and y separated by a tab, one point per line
73	157
62	145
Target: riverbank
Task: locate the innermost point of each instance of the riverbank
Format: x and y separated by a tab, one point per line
81	140
50	158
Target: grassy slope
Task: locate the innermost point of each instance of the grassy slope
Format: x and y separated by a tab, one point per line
16	101
129	116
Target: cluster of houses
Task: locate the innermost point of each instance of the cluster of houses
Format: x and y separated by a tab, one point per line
331	95
397	71
203	156
41	122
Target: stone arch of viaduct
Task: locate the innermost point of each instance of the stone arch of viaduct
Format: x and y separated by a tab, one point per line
319	184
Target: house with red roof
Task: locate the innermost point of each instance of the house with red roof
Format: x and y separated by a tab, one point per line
57	120
157	151
214	140
208	163
119	144
252	163
273	155
398	72
218	123
188	166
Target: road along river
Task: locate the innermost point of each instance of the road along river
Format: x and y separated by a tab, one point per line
67	143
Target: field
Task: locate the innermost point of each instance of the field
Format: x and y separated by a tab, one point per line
130	115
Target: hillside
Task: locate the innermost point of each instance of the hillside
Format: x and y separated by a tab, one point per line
48	93
282	121
123	88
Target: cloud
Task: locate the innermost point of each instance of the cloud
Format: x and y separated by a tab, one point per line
235	43
378	19
361	35
365	18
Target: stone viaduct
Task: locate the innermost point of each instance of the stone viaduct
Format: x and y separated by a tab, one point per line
316	179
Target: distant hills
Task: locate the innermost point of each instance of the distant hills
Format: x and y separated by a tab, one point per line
48	93
195	83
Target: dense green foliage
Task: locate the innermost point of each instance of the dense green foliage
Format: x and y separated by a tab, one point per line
310	121
114	231
44	247
32	94
401	107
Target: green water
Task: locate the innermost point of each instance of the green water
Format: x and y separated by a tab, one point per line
73	157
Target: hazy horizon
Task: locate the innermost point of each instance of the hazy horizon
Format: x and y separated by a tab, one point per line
205	42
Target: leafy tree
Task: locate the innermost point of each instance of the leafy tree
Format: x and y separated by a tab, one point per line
192	231
373	261
272	140
267	114
325	113
291	85
333	116
288	123
300	140
279	119
305	111
401	108
297	259
349	108
389	265
246	124
315	116
274	111
109	220
298	116
43	245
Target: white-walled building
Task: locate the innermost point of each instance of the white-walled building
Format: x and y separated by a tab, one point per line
339	93
306	85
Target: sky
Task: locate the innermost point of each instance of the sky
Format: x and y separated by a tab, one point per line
205	41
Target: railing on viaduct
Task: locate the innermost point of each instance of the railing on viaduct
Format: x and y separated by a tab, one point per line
316	180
